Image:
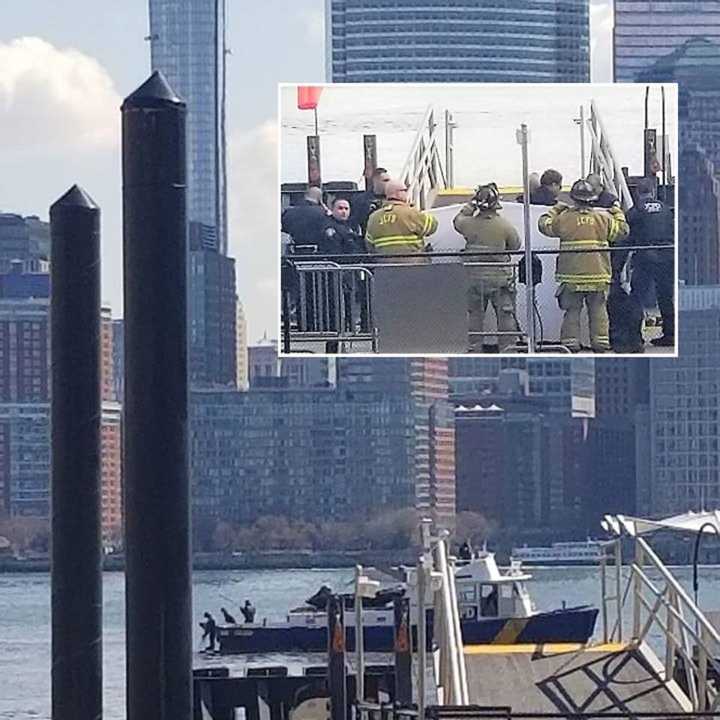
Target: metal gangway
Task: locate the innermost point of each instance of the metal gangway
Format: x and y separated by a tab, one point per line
668	629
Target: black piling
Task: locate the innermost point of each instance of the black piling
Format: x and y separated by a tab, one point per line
403	652
337	683
157	507
75	426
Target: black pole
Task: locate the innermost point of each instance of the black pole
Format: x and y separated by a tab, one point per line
157	498
696	552
75	422
403	652
337	688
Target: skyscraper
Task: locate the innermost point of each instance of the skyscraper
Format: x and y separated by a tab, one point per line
187	41
684	449
647	30
188	47
440	41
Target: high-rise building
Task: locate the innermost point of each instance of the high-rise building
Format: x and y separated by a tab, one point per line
23	239
647	30
313	454
241	352
699	200
267	369
422	383
569	386
212	302
621	384
118	358
188	47
187	44
695	66
111	473
440	41
682	445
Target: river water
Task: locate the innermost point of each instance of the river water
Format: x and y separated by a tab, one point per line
487	117
25	621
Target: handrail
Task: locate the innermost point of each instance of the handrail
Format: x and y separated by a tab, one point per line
683	627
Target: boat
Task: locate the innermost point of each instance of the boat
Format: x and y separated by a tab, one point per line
587	552
493	607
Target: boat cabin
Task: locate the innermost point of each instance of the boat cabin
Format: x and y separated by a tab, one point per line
483	592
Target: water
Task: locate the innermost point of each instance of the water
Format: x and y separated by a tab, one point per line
25	621
487	117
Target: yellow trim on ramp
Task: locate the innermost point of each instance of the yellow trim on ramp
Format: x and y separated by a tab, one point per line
543	648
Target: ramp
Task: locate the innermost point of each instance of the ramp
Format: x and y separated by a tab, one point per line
546	679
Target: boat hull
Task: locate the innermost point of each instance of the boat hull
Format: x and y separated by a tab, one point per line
571	625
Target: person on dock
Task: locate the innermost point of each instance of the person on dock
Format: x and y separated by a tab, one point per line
584	277
209	630
306	221
605	198
341	237
550	186
397	228
248	611
365	204
485	230
229	619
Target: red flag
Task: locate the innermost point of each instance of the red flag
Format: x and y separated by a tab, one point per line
308	97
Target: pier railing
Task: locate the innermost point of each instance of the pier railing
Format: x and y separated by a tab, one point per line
665	615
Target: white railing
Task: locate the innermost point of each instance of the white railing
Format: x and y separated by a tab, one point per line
604	162
423	171
436	580
662	610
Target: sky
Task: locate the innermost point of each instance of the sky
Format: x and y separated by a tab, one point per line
65	69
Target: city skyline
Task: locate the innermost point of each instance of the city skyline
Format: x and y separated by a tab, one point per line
60	98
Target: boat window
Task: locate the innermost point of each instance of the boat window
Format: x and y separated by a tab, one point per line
507	591
468	594
488	600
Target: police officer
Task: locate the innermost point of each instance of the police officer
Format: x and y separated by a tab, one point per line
305	221
652	223
397	228
584	278
248	611
209	630
485	230
340	237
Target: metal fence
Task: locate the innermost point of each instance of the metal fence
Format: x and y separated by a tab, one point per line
330	298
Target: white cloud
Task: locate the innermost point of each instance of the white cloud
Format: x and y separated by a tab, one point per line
253	200
53	100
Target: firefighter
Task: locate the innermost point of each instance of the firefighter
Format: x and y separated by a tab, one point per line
485	230
397	228
584	278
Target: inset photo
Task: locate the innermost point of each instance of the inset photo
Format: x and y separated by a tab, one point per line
496	218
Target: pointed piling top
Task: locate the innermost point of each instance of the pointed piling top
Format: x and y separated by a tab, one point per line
154	92
75	197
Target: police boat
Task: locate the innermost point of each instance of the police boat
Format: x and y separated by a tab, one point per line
494	608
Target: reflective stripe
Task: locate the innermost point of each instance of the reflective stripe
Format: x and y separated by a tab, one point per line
398	240
428	223
577	277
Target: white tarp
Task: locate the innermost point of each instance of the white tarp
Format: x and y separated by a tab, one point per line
708	520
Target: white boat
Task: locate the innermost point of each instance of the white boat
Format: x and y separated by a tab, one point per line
586	552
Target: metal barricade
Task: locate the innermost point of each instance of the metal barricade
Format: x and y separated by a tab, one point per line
334	300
